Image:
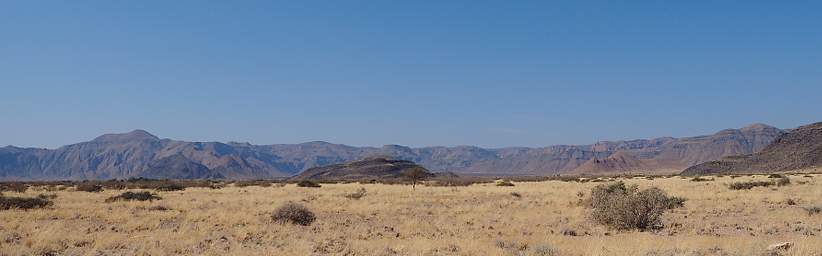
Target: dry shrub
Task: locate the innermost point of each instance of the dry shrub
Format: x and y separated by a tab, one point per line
813	210
700	179
170	187
626	207
516	195
18	187
293	213
784	181
776	176
308	184
458	181
750	184
159	208
356	195
89	187
505	183
23	203
247	183
134	196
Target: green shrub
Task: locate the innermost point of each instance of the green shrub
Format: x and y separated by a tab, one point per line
626	207
134	196
308	184
293	213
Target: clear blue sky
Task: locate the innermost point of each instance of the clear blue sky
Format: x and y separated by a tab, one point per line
487	73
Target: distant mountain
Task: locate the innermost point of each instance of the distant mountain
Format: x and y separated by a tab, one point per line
799	149
619	162
367	169
141	154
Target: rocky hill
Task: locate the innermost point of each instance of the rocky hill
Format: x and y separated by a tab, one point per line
619	162
367	169
141	154
799	149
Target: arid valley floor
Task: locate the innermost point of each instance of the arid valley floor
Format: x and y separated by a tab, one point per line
530	218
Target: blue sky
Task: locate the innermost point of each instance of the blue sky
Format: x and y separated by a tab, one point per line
418	73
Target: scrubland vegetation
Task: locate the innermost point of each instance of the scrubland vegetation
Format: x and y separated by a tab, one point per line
530	216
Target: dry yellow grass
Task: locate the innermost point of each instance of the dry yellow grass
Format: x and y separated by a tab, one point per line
481	219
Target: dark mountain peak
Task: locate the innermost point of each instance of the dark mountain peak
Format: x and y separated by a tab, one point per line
136	135
758	127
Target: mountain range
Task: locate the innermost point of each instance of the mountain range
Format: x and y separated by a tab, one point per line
141	154
797	150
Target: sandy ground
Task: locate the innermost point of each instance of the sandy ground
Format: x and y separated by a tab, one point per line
481	219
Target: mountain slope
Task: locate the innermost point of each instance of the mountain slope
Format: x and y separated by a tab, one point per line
619	162
799	149
367	169
140	154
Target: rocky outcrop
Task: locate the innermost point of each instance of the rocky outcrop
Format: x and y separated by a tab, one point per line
363	170
799	149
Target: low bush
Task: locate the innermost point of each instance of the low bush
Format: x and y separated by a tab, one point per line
356	195
459	181
170	187
626	207
700	179
750	184
308	184
504	183
23	203
776	176
89	187
784	181
247	183
134	196
516	195
18	187
813	210
293	213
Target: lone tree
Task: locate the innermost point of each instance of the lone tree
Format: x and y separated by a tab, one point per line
415	174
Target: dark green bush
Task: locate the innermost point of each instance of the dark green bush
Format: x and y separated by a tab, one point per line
626	207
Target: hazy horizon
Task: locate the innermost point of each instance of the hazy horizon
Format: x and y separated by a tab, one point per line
527	73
